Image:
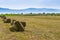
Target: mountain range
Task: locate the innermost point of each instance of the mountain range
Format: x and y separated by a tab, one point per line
28	10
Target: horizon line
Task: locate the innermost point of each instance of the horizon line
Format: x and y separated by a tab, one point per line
27	8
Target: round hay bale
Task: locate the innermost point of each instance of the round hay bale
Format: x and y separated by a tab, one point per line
12	29
7	20
12	22
23	24
19	26
3	17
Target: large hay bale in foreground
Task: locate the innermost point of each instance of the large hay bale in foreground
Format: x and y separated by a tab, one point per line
17	26
23	24
12	29
12	22
7	20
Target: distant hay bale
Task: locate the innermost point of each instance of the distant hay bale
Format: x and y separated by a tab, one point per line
7	20
3	17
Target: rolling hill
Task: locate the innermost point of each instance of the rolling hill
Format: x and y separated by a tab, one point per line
28	10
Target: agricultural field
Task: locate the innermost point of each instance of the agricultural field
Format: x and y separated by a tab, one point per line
37	28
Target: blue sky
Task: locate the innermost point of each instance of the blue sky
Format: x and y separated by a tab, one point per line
22	4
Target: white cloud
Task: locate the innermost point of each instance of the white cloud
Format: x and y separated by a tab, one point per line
30	3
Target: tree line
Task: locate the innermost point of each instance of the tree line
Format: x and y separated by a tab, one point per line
32	14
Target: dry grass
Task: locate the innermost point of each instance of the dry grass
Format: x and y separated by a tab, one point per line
37	28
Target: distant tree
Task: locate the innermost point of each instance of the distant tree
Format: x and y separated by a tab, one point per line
39	14
52	14
48	14
22	13
31	13
57	14
43	13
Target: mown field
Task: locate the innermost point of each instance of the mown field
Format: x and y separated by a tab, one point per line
37	28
